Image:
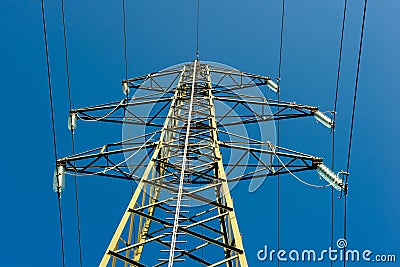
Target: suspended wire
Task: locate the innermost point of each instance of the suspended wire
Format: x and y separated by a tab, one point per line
126	68
77	203
352	119
281	39
340	58
61	226
49	81
356	86
72	130
197	29
53	126
334	120
104	116
66	54
125	46
295	176
120	163
278	123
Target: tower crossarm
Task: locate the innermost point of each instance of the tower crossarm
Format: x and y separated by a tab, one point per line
258	111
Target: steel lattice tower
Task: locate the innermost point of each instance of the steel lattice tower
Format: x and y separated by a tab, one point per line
186	159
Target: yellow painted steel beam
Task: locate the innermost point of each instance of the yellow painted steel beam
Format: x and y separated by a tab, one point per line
114	241
224	185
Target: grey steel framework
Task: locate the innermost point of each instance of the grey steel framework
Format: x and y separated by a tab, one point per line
185	160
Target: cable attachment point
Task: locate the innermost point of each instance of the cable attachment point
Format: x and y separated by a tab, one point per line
330	177
325	120
272	85
272	146
345	185
59	178
72	121
125	88
333	118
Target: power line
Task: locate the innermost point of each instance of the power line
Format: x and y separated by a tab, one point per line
53	126
61	227
352	119
77	202
340	57
281	39
72	129
66	54
197	29
356	85
49	81
125	47
126	67
334	120
278	124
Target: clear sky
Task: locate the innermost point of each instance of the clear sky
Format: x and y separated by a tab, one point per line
242	34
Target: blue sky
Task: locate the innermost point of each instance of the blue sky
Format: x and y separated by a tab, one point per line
242	34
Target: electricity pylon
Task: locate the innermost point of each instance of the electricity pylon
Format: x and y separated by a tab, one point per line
185	157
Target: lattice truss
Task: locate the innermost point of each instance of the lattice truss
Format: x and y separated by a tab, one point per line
190	132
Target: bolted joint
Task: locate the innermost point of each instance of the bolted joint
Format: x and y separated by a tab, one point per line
316	161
